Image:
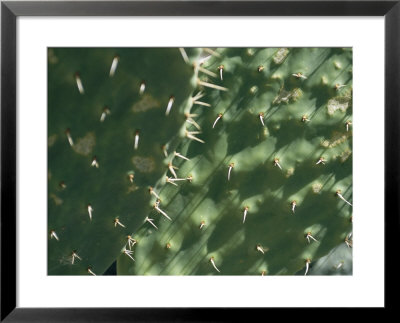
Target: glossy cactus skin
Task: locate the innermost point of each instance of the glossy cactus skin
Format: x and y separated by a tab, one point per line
271	149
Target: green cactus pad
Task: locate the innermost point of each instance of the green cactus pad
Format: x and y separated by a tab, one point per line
250	170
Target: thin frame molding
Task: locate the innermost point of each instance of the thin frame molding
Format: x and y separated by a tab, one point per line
10	10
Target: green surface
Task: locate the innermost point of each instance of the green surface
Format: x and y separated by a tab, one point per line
238	137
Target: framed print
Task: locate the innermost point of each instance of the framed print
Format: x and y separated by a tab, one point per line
190	152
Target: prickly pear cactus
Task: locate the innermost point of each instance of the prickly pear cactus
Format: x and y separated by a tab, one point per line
175	161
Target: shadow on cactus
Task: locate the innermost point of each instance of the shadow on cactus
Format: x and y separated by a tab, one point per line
199	161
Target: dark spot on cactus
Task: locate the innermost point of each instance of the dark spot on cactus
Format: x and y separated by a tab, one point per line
84	146
57	200
146	102
144	164
338	104
51	140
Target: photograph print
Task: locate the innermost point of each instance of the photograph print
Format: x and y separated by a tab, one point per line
199	161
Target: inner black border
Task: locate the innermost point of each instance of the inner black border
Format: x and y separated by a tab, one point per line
10	10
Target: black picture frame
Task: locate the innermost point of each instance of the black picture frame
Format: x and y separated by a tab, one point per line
10	10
